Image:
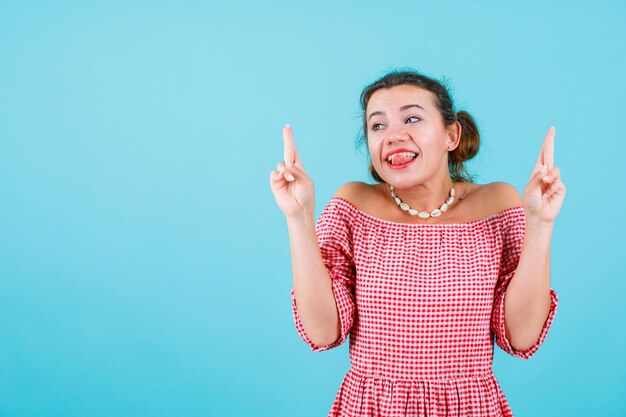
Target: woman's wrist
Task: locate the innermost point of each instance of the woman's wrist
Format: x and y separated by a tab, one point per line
305	219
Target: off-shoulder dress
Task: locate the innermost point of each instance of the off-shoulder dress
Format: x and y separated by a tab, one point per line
422	304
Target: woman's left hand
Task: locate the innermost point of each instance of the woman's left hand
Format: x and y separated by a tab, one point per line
544	194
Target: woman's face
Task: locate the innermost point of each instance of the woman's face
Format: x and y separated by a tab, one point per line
405	118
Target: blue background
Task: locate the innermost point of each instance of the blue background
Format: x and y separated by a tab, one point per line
144	265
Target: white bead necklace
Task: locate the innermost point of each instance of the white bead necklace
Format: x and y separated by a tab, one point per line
424	214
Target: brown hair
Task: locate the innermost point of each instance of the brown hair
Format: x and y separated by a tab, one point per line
470	138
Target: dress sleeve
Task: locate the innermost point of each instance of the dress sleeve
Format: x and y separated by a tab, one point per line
511	251
334	236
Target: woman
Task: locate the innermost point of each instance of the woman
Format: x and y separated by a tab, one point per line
417	267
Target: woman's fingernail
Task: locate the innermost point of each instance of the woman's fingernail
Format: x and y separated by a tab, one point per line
546	178
289	177
289	163
544	168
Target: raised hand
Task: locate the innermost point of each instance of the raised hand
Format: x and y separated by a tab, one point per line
544	194
291	185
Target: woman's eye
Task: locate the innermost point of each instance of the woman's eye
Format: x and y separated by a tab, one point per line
375	126
413	117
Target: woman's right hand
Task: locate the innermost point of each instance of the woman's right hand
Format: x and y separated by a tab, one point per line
291	185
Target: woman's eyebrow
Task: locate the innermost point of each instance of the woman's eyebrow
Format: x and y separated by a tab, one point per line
406	106
411	105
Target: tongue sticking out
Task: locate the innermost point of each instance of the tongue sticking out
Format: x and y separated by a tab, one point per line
400	159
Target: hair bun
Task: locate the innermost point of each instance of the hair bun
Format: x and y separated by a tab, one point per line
470	138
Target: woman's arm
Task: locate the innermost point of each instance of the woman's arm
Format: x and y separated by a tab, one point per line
527	301
312	284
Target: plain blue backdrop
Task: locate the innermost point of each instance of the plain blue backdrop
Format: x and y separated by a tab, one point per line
144	265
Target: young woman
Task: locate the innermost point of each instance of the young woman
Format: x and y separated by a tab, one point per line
424	268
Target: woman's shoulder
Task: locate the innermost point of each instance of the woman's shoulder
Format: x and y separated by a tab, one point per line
502	190
502	196
493	198
352	190
359	195
503	203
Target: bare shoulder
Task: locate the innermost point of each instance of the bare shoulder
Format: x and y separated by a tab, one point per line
360	194
501	196
353	191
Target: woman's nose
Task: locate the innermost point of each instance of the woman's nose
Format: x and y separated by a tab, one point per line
396	135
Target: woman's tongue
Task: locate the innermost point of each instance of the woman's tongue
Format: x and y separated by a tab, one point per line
401	159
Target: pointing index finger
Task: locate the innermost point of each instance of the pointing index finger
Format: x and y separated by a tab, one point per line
290	146
548	148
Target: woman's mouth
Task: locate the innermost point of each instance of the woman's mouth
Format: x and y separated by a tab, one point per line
401	160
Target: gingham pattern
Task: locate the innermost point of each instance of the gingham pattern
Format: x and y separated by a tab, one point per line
422	304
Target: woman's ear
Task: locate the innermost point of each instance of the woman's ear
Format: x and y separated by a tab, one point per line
454	135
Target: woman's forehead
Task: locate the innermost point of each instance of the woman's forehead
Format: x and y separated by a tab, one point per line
387	99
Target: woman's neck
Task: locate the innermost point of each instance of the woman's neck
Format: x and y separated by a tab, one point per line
426	196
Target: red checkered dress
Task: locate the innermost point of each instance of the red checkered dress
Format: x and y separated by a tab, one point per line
422	304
